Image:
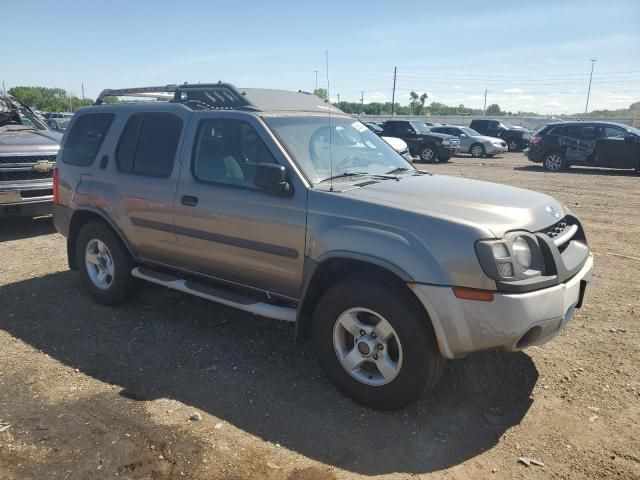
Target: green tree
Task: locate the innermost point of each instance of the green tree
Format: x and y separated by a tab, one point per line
417	102
494	109
48	99
321	92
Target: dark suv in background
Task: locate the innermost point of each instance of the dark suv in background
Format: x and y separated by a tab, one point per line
602	144
517	138
428	145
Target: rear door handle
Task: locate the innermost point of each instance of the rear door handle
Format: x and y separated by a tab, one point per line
189	200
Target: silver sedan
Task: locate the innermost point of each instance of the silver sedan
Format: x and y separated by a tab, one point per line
472	142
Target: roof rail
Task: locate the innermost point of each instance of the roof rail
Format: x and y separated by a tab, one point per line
208	96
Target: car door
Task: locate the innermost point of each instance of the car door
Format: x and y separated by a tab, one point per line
225	227
611	148
465	140
141	183
406	132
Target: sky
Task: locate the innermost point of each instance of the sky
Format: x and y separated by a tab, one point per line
529	56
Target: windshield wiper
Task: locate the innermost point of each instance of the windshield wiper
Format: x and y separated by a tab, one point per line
344	175
397	170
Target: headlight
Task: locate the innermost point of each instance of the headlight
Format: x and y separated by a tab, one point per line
446	142
522	253
516	257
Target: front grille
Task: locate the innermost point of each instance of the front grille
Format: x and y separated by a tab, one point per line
27	159
9	176
556	229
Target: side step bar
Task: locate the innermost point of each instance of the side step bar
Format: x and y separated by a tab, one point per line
229	299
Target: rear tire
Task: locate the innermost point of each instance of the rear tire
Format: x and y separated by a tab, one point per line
477	150
104	264
428	153
554	161
410	357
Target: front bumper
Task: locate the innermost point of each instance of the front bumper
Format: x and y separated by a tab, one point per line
496	149
25	200
512	321
446	151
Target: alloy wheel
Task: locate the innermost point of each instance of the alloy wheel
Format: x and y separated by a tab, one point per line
367	346
99	264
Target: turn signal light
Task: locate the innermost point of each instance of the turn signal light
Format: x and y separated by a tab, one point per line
473	294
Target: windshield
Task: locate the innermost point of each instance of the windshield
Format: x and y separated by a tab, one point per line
470	131
13	112
353	149
420	127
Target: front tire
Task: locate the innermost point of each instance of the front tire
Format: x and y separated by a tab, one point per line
554	161
104	264
428	153
375	343
477	150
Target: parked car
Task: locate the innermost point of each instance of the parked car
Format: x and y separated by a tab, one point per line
598	144
473	143
517	138
428	145
259	200
27	156
58	124
53	115
397	144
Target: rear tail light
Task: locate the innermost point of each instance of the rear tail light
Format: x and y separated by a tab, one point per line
56	195
535	139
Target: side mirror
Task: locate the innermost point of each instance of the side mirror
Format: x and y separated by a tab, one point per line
631	138
271	178
463	135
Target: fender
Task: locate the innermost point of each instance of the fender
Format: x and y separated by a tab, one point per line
103	215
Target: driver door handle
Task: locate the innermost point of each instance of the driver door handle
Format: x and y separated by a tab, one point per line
189	200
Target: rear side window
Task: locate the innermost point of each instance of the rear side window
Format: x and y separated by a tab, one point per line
85	138
148	144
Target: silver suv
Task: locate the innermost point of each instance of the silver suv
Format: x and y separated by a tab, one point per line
276	203
28	152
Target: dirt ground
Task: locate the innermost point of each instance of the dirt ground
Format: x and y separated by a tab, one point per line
172	386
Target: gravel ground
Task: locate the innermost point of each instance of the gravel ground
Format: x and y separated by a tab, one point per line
171	386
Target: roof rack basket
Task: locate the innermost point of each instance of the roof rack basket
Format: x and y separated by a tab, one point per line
210	96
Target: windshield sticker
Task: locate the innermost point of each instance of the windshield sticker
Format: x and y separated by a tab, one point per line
359	126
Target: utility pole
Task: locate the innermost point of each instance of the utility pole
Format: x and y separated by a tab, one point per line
316	72
593	62
362	101
4	90
82	90
484	109
338	98
393	95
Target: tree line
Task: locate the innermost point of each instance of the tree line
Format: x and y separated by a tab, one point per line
48	99
417	106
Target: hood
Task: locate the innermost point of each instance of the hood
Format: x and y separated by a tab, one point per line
14	139
441	136
493	207
396	143
488	139
515	128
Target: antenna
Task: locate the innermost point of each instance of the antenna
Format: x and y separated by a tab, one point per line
326	53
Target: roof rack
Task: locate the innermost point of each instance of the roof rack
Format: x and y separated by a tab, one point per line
216	96
224	96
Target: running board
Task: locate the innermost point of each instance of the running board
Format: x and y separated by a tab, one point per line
217	295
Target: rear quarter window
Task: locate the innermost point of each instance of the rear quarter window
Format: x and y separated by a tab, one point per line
85	138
